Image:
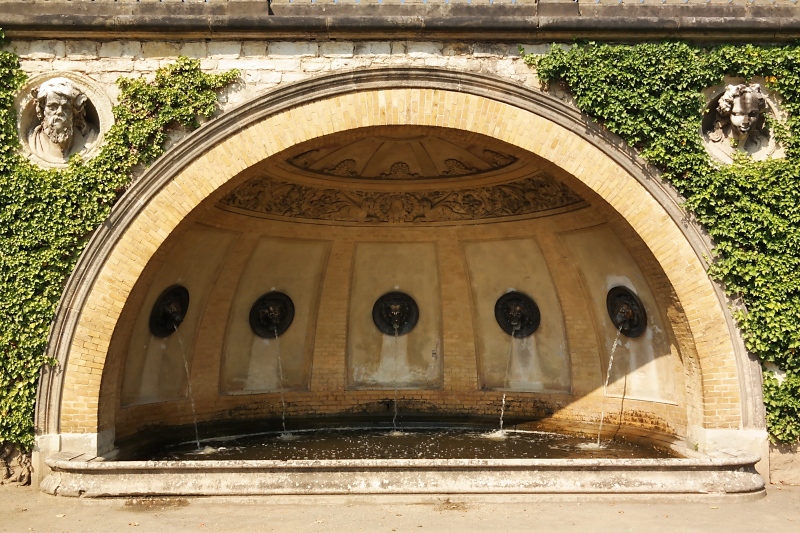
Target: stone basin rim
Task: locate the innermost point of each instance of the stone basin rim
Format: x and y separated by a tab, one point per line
698	463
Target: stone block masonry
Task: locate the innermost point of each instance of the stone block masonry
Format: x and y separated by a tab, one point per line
263	64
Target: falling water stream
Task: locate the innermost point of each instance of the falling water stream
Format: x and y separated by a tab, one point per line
605	384
189	386
500	433
285	434
394	402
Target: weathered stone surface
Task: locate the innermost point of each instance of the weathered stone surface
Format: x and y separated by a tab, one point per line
121	49
784	464
70	65
81	50
254	49
290	77
44	50
505	20
371	48
399	47
347	64
490	50
194	49
422	49
336	49
292	49
160	49
316	64
457	49
224	49
288	64
244	65
729	477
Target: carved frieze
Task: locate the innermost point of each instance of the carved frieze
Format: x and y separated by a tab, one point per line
400	171
304	159
457	168
344	168
497	159
268	196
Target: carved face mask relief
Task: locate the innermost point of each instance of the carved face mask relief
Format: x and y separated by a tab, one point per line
271	315
745	113
395	313
517	314
169	311
626	311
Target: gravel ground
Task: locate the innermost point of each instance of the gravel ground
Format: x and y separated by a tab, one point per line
24	509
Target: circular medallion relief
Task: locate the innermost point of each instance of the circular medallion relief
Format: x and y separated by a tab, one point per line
626	311
169	311
517	314
735	121
271	315
61	115
395	313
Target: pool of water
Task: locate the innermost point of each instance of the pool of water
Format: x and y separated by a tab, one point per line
417	443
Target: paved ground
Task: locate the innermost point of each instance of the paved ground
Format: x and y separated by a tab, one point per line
24	509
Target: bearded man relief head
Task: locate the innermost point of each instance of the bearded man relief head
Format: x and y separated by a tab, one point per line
62	128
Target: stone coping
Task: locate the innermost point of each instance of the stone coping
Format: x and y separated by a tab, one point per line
502	21
725	474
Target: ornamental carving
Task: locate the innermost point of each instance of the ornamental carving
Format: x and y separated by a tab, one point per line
736	122
399	171
345	168
457	168
497	159
267	196
61	127
304	159
60	117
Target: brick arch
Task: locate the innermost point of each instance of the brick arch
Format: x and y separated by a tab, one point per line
530	120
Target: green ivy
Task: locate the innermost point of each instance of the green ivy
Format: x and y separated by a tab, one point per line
651	96
46	216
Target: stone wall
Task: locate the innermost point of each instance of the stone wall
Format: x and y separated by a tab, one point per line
266	64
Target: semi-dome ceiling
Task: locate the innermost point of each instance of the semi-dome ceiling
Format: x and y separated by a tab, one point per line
394	155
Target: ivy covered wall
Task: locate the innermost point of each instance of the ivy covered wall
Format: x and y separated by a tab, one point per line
47	216
651	95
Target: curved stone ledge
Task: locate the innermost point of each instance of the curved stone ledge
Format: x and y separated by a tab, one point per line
726	475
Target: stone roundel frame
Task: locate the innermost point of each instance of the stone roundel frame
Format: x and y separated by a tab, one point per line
206	159
272	329
26	115
712	95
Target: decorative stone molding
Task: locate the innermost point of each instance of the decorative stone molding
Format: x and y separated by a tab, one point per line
84	120
544	20
533	195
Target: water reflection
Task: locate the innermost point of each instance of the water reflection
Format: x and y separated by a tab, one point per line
419	443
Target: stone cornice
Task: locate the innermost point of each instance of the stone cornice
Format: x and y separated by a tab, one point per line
524	21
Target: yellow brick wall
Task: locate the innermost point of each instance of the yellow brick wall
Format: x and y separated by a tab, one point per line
329	393
665	253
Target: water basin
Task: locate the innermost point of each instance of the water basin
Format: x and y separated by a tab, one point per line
416	443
